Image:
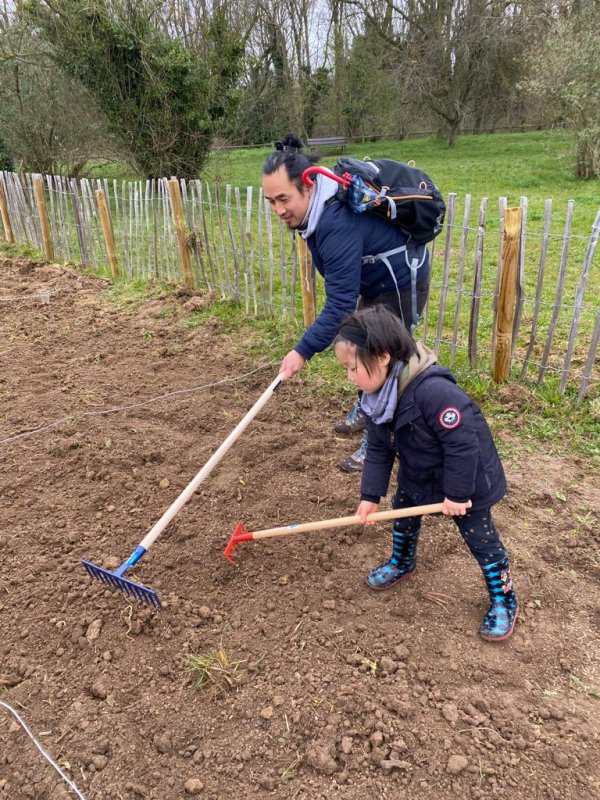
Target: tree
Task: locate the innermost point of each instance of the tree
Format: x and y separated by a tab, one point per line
162	100
6	162
48	121
443	48
566	72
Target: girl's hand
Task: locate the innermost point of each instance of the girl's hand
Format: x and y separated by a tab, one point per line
364	509
453	509
291	364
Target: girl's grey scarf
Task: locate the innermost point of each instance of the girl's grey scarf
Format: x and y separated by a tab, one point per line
380	405
325	188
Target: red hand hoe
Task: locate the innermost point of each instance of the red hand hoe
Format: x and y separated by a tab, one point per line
241	535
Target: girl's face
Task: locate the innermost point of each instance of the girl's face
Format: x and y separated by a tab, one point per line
357	373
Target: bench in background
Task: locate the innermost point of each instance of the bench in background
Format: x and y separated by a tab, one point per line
338	142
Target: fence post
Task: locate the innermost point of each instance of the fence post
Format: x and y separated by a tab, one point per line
507	293
107	230
180	227
307	281
8	231
40	201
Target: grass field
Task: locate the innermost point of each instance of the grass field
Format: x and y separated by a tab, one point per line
538	165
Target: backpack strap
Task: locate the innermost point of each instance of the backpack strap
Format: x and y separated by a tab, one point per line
414	266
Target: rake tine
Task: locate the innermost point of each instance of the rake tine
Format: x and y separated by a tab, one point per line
117	581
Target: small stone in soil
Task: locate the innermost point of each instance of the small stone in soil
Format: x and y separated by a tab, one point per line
99	690
401	651
456	764
560	759
193	786
100	762
93	631
450	713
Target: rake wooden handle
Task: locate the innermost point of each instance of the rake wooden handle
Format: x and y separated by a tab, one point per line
185	495
339	522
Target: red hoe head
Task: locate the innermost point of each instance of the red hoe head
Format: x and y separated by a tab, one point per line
239	535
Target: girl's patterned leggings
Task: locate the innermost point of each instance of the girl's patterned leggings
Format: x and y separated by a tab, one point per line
477	529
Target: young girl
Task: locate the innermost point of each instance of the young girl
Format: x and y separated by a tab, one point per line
444	446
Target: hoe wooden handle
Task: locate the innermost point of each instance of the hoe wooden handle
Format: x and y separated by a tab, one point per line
339	522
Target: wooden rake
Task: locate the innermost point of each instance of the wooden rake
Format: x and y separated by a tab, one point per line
116	579
241	534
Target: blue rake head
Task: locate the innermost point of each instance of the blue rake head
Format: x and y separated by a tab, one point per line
117	581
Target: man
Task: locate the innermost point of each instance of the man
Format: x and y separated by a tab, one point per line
363	259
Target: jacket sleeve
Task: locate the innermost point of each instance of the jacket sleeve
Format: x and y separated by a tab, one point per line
379	463
449	413
340	246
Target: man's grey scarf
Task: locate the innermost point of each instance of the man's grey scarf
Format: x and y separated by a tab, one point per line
325	188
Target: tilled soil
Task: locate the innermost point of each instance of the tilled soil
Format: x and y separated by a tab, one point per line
330	690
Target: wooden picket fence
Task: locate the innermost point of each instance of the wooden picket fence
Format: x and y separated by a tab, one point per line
503	292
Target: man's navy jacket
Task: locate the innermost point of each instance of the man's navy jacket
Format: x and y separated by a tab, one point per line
443	443
342	238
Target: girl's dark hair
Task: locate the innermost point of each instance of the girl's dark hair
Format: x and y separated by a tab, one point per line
374	331
288	153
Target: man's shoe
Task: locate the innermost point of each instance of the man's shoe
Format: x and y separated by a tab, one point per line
356	461
355	422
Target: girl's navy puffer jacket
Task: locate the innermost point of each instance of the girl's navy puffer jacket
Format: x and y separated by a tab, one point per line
443	443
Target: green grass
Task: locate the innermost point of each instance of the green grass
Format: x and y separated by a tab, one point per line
538	165
129	295
214	669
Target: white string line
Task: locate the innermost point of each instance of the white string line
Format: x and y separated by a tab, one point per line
23	724
82	414
42	295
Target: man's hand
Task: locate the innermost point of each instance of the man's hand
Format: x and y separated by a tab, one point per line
291	364
453	509
364	509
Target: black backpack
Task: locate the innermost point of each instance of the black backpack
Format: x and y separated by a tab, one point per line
399	193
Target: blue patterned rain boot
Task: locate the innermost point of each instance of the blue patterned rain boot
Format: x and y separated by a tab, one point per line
355	421
500	618
402	564
356	461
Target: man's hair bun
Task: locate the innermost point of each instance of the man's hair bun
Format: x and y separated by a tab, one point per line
292	140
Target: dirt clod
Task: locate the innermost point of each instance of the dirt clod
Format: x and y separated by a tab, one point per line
456	764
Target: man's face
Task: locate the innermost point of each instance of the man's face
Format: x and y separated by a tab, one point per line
286	199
